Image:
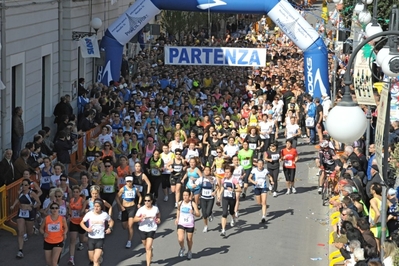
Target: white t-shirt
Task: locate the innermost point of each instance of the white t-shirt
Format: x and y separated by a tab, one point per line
103	138
166	159
260	177
55	180
264	129
291	130
148	224
191	154
231	150
97	223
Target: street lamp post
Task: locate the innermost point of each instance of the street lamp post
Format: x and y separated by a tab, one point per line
95	23
390	66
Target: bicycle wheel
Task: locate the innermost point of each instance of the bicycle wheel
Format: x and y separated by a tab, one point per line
324	194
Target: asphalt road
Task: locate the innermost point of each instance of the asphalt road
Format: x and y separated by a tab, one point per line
296	231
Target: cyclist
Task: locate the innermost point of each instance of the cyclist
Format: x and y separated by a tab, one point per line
327	162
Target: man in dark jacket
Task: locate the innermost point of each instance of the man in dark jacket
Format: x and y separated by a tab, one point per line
6	168
18	132
375	178
62	146
63	108
368	236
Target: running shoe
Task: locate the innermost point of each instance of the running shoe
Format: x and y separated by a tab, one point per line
236	214
270	187
223	233
20	255
293	190
100	260
274	194
181	252
189	255
263	219
71	262
232	223
120	216
165	198
205	229
176	205
243	195
211	218
128	244
152	252
288	192
80	246
35	230
25	237
320	190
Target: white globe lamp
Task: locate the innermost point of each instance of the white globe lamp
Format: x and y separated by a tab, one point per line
96	23
373	28
358	8
364	17
346	124
384	52
368	2
390	65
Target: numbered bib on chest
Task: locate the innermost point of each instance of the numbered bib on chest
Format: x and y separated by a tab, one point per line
75	214
245	162
225	141
200	137
155	172
54	227
206	192
109	189
177	168
214	153
219	171
252	146
288	163
130	194
45	179
275	157
62	211
227	193
139	188
90	158
24	213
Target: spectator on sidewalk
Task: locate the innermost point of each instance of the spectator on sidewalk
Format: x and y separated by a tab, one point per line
18	131
62	146
6	168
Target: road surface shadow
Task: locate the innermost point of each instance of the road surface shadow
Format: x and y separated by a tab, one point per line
276	214
300	190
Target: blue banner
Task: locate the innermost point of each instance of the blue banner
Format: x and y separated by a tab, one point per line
113	60
316	70
215	56
281	12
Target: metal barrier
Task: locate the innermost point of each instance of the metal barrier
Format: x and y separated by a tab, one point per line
3	211
11	194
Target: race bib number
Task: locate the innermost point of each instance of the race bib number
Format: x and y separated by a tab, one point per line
45	179
98	229
288	163
206	192
54	227
121	181
260	183
155	172
219	171
62	211
243	135
252	146
225	141
275	157
245	162
200	137
24	213
177	168
214	153
139	188
130	194
75	214
109	189
227	193
90	159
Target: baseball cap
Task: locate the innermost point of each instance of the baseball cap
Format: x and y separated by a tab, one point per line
391	192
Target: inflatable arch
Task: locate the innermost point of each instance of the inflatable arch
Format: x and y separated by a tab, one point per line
281	12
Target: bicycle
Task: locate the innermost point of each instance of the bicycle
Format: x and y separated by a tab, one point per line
328	187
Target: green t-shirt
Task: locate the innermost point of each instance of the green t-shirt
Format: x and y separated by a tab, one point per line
245	158
108	181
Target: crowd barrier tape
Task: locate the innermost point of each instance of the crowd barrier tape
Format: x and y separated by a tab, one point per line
3	211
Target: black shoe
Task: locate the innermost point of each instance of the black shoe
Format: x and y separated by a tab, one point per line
243	195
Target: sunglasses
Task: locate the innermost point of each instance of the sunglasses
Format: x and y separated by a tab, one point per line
54	208
178	154
147	200
214	135
129	181
107	166
219	152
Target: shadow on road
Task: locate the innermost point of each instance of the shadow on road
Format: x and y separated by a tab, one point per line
277	214
300	190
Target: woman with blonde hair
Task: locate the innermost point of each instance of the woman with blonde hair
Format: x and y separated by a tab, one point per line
390	250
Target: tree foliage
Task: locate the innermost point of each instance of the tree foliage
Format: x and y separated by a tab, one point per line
384	8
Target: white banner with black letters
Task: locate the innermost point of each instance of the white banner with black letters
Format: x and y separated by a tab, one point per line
89	47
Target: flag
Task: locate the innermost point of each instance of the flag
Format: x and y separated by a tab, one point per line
89	46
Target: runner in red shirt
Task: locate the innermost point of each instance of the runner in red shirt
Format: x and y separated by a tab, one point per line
289	156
